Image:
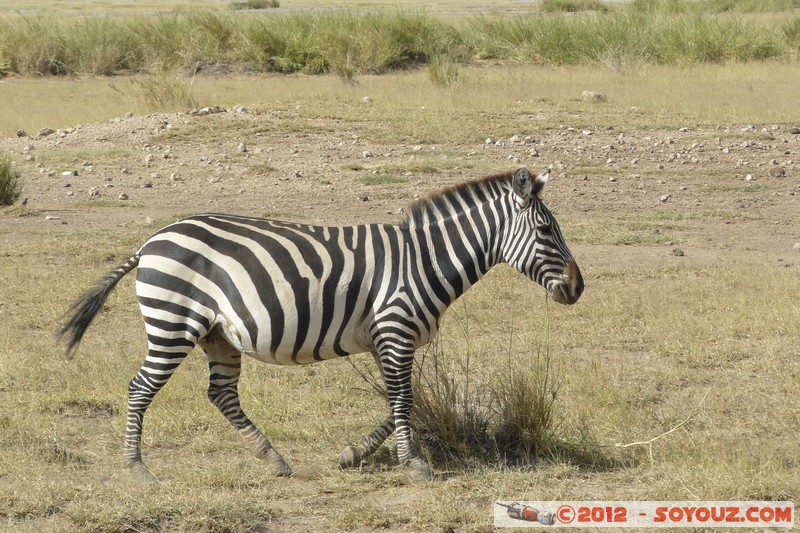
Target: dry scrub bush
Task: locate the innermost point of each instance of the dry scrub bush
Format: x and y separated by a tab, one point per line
10	181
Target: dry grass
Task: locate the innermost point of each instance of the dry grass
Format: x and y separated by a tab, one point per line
408	107
633	360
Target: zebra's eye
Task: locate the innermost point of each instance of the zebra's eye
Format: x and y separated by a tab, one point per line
544	229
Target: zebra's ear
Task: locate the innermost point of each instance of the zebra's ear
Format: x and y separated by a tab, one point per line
540	181
522	184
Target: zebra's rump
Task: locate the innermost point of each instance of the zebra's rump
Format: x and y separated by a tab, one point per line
284	293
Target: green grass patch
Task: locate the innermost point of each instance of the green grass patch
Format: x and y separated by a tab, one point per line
647	230
261	168
77	156
572	6
279	215
382	179
736	187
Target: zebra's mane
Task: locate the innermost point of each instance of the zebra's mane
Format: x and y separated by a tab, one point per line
437	205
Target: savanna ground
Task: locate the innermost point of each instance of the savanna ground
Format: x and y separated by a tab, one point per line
688	322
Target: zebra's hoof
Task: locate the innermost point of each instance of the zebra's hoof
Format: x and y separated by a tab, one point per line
420	469
141	473
276	465
350	457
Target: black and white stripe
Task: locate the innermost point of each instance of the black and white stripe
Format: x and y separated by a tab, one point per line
287	294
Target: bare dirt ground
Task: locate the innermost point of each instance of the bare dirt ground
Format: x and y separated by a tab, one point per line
734	191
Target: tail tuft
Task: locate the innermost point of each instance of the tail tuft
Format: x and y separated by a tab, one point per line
87	306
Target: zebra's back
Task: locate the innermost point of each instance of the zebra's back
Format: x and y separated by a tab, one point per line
281	292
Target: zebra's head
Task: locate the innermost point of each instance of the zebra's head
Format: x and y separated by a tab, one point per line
533	243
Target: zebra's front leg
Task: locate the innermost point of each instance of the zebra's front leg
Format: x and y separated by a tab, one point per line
396	370
224	366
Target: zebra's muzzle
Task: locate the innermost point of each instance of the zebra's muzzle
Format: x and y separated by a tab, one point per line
569	289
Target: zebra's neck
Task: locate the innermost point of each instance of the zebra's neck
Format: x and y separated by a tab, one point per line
452	247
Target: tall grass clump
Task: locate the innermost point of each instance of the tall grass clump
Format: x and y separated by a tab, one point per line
713	6
350	43
791	30
646	34
164	92
10	181
512	420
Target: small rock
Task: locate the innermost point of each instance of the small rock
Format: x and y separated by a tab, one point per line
87	164
93	192
242	148
67	185
123	196
612	179
515	139
664	198
366	100
488	140
417	148
795	131
366	153
44	132
52	217
533	152
147	185
364	198
677	252
70	173
683	130
206	111
586	132
777	172
796	247
591	96
148	159
21	133
126	170
749	177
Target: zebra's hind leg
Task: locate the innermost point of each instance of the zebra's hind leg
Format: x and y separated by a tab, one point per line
224	366
353	455
152	376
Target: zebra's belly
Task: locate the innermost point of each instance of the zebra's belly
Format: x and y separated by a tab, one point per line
302	342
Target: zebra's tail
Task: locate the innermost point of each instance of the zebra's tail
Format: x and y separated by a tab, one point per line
87	306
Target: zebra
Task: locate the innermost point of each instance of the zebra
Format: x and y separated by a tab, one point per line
293	294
